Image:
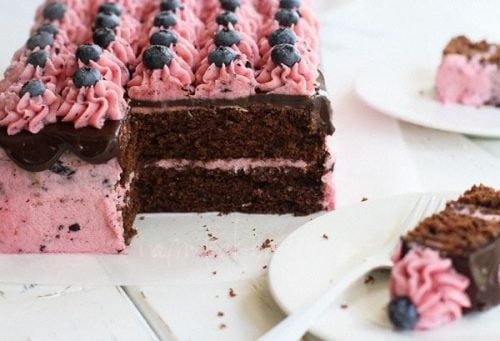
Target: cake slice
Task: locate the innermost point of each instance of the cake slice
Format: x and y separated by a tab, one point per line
449	264
469	73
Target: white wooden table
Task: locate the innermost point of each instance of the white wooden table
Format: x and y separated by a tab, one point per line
377	157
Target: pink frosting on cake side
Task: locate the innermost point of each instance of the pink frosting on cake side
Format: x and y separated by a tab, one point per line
432	284
92	106
465	81
300	79
53	213
170	83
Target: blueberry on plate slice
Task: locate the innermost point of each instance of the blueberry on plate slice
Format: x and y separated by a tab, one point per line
287	17
230	5
38	58
111	8
163	38
86	77
170	5
41	40
222	55
49	28
88	52
226	18
403	313
165	19
54	11
103	37
285	54
227	37
156	57
282	36
34	88
104	20
289	4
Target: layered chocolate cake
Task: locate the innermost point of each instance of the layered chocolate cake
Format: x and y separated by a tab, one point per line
114	108
449	264
469	73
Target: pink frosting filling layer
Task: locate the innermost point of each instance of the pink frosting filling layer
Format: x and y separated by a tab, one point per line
231	165
48	212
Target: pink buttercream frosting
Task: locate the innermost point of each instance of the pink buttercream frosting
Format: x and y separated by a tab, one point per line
246	46
301	29
92	106
123	51
465	81
228	82
431	283
247	16
75	26
234	165
306	52
170	83
110	67
28	113
182	29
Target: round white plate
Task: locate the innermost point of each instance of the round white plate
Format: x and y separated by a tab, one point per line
406	92
306	263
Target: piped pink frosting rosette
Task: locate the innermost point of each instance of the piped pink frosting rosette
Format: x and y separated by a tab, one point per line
110	67
169	83
302	46
431	283
270	7
134	8
76	27
302	29
92	106
129	30
123	51
247	16
28	113
187	13
246	46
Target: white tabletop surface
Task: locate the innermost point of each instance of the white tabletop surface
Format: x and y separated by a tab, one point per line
377	157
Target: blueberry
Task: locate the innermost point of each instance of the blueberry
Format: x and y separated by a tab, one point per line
38	58
222	56
230	5
104	20
227	37
88	52
156	57
165	19
59	168
285	54
103	37
74	228
403	313
49	28
289	4
170	5
41	40
86	77
282	36
54	11
163	38
111	8
287	17
227	18
33	87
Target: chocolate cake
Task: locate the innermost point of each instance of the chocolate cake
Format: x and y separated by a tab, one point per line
115	108
449	264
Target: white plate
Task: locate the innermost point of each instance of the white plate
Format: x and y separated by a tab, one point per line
306	263
406	92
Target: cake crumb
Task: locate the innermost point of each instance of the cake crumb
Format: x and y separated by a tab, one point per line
214	273
267	244
369	280
364	199
212	238
232	293
142	218
344	306
220	314
222	326
325	237
264	267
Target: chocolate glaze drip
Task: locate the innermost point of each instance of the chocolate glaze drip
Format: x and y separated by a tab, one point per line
39	152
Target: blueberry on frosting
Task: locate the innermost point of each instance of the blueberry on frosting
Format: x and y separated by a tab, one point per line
54	11
86	77
156	57
34	88
222	55
104	20
226	18
111	8
49	28
227	37
103	37
41	40
287	17
165	19
289	4
230	5
88	52
38	58
285	54
403	313
170	5
282	36
163	38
